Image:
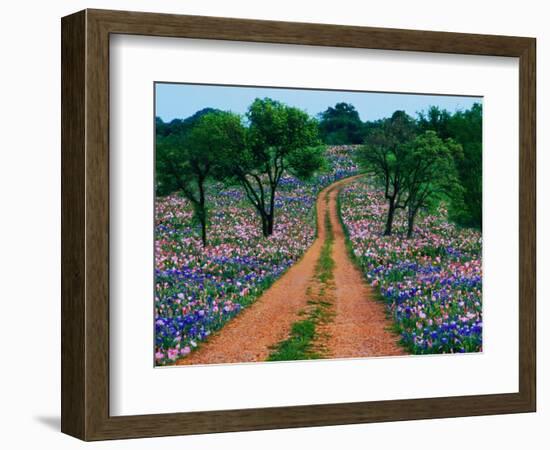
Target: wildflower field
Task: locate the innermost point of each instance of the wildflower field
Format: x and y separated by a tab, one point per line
387	261
199	289
431	284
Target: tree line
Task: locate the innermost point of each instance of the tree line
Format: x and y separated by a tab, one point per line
254	154
418	161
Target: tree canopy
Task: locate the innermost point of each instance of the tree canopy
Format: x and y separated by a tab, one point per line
464	127
180	126
340	125
429	173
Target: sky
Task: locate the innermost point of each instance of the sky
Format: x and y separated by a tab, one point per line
178	101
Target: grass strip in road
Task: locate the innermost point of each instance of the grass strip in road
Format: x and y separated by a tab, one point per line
303	334
325	265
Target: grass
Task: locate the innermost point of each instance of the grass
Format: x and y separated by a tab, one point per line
298	345
301	344
325	265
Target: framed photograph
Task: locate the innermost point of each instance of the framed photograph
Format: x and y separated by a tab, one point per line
273	225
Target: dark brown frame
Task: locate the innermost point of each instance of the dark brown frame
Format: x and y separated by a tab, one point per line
85	224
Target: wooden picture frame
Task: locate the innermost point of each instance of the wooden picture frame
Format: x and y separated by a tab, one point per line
85	224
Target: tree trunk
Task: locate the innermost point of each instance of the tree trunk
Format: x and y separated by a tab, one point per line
389	221
265	225
270	224
271	215
203	231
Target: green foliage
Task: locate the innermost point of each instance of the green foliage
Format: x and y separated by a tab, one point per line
305	162
383	150
180	126
341	125
416	167
428	165
277	130
435	119
188	154
279	139
465	128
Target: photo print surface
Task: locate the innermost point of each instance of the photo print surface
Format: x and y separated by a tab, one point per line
301	224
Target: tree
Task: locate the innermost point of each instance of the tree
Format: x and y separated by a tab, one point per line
180	126
186	160
341	125
429	172
465	128
437	120
280	139
383	155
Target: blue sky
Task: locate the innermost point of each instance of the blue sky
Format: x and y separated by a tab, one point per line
183	100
